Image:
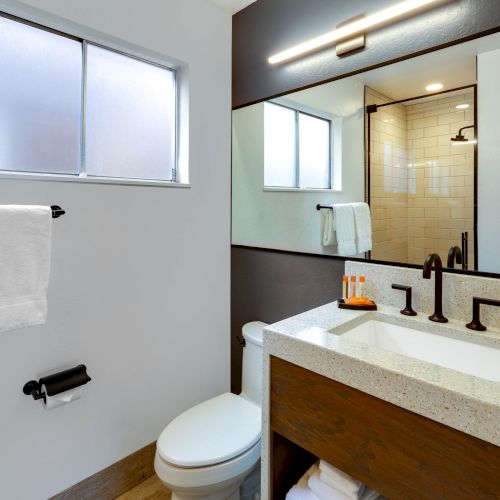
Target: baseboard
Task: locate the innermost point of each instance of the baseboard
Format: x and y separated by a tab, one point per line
115	479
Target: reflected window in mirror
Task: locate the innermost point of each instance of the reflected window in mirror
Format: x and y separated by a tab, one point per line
297	148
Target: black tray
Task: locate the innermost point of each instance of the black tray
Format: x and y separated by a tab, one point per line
343	305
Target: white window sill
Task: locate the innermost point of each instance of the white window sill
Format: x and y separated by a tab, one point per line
299	190
90	180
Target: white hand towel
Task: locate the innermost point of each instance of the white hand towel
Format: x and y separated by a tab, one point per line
345	229
328	237
325	492
25	245
363	224
339	480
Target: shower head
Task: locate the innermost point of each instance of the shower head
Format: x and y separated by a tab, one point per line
460	137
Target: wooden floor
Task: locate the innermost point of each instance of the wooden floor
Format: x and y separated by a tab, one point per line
150	489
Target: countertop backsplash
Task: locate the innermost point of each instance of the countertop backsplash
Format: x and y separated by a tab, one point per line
458	291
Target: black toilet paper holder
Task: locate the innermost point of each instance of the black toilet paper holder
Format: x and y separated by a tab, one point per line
57	383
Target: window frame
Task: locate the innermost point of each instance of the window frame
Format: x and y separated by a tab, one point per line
82	176
298	109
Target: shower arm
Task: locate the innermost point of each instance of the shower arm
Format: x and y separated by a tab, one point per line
463	128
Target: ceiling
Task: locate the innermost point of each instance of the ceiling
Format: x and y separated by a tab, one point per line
232	6
453	67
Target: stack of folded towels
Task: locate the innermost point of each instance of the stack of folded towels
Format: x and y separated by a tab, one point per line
324	482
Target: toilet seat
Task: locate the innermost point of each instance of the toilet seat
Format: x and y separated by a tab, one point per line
182	477
216	431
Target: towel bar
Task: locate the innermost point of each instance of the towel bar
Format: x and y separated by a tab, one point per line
319	207
57	211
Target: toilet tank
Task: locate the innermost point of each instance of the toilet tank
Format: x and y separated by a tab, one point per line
251	376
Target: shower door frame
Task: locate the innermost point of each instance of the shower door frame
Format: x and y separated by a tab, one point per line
373	108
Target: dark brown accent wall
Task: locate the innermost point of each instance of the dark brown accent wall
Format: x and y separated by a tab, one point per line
267	285
269	26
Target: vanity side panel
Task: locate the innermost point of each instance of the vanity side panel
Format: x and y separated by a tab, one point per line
394	451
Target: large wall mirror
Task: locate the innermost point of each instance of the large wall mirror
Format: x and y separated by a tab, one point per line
417	143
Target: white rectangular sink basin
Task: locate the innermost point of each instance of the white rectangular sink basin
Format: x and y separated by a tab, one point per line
466	357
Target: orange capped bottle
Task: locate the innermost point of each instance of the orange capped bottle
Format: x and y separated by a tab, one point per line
352	291
362	286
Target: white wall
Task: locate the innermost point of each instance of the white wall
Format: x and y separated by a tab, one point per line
139	287
289	220
488	78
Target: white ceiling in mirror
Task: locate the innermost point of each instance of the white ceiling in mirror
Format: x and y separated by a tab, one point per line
409	78
232	6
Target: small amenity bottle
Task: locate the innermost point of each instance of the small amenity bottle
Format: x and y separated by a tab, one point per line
362	289
352	291
345	288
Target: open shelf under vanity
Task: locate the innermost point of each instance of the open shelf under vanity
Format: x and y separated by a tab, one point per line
398	453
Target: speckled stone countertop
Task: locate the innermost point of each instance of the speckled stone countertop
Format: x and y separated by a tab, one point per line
313	340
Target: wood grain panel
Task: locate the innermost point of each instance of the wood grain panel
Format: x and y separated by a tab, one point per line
398	453
150	489
116	479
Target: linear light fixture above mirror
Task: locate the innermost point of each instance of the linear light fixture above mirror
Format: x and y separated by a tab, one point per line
354	28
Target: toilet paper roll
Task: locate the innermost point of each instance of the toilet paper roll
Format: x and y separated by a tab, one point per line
62	398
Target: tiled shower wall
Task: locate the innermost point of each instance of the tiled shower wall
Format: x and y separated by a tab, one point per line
388	179
440	177
422	186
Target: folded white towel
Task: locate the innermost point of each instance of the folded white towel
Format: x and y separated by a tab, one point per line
345	229
301	490
314	469
324	491
298	493
369	494
363	224
339	480
328	236
25	245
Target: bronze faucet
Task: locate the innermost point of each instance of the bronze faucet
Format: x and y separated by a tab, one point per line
454	255
434	259
476	324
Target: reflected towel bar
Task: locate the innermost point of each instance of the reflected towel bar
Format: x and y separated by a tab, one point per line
319	207
57	211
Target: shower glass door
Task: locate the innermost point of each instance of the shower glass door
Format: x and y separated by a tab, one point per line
421	183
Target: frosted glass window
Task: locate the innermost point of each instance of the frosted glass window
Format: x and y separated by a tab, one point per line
279	146
297	149
40	96
314	152
130	117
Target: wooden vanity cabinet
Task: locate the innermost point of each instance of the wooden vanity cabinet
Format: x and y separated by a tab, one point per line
398	453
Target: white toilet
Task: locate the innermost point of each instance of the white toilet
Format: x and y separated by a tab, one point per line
213	449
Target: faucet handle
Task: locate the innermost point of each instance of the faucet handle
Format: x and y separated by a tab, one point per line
408	310
476	324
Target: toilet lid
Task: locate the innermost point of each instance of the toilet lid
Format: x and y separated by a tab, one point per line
212	432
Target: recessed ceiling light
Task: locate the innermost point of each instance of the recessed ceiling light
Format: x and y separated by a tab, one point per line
462	106
433	87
